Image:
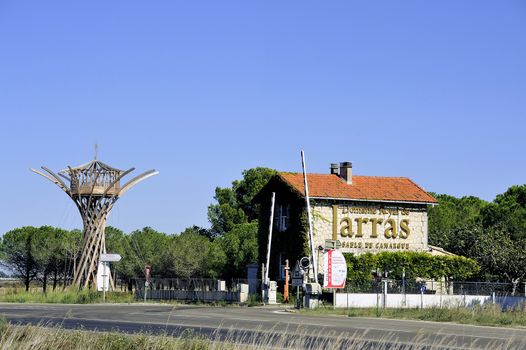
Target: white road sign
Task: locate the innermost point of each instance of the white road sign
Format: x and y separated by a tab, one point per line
103	277
110	257
297	276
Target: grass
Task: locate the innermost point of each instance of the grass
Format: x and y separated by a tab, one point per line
483	315
40	338
19	295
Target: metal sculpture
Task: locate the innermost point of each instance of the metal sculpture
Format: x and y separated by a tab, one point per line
94	187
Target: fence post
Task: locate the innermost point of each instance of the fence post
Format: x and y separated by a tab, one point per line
404	298
385	293
347	294
377	300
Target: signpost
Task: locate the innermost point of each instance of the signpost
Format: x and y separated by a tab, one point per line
148	276
105	259
110	257
297	276
286	287
332	244
297	281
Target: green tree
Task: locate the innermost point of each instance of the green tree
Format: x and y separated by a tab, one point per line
191	254
201	231
234	221
52	253
450	215
253	181
126	269
71	246
502	258
240	245
19	250
508	212
234	204
149	246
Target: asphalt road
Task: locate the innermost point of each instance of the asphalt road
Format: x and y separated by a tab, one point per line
275	325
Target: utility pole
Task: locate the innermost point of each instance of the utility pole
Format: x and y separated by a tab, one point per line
309	219
269	243
286	288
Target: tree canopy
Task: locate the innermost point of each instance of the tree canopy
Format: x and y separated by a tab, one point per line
493	234
234	204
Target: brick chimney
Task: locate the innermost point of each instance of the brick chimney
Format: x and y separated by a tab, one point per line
346	172
334	169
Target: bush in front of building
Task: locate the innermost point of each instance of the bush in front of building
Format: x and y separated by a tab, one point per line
362	269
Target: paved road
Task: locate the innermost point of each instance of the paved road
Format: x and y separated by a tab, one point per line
277	325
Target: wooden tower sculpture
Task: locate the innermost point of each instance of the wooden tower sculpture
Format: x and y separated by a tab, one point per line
94	187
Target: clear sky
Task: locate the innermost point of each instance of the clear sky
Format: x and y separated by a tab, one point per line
201	90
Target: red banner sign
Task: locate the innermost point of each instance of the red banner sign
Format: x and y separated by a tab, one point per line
335	271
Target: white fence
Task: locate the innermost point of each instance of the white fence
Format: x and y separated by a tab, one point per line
367	300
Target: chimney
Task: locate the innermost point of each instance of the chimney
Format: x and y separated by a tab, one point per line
346	172
334	169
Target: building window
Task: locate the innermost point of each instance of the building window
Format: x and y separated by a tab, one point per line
282	217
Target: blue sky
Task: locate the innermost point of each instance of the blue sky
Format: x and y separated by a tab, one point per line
201	90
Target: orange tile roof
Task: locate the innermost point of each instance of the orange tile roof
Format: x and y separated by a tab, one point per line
396	189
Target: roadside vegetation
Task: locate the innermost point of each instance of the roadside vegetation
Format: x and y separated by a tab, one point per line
485	315
43	338
20	295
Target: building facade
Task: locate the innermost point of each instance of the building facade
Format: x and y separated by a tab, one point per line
364	213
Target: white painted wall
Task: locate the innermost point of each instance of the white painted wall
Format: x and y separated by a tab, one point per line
358	300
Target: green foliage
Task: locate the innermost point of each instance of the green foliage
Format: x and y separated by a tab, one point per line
253	181
452	214
69	296
227	213
360	268
240	245
493	234
19	250
508	211
120	243
148	244
500	255
234	205
40	253
192	255
234	221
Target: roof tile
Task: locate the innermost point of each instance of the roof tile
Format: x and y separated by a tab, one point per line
362	188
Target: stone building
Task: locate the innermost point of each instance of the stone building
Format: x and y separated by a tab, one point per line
364	213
